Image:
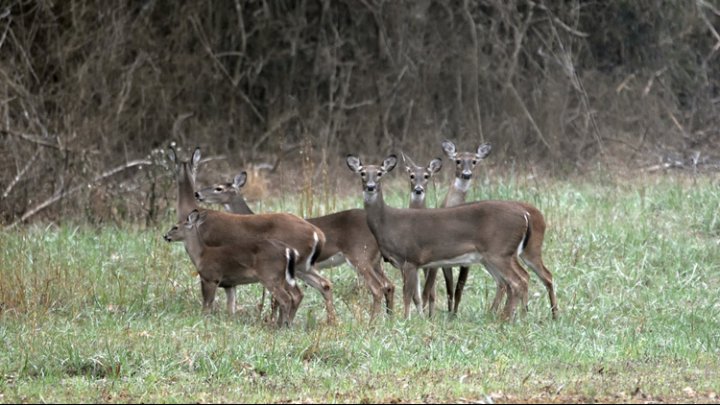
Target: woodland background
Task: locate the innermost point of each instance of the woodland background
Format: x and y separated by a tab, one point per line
92	92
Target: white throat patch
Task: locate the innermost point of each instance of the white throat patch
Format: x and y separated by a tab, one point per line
419	199
370	197
461	184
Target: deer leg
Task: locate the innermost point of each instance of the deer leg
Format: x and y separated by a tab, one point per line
524	286
428	294
503	272
261	305
230	295
320	283
284	301
534	261
274	309
500	292
448	274
500	287
411	289
388	286
297	296
460	286
372	282
208	289
517	285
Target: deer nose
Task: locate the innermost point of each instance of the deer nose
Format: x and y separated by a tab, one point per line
370	187
466	175
198	196
419	190
167	238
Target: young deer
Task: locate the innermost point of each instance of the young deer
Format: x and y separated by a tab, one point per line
348	239
269	262
419	177
487	232
222	229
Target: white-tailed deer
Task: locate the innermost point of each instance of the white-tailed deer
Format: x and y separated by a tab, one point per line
487	232
465	163
221	229
419	177
267	261
347	239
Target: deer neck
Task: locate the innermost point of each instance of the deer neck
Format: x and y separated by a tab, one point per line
193	244
417	202
457	193
375	208
377	214
237	205
186	193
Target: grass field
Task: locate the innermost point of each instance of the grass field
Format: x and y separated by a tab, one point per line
113	314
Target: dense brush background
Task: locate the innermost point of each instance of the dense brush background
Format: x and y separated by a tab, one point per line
92	92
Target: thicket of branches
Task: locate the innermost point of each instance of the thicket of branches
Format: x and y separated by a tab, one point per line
91	90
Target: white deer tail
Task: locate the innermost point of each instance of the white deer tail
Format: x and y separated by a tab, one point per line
312	257
291	258
526	238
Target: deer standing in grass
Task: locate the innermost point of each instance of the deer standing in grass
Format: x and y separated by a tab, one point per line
419	177
487	232
219	229
267	261
348	239
465	163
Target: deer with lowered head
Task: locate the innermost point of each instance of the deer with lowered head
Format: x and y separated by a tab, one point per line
219	229
347	239
487	232
267	261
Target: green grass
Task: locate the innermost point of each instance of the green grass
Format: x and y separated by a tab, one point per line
113	315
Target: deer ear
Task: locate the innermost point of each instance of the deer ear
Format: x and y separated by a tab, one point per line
196	217
353	163
435	165
171	154
483	150
240	180
196	156
449	148
193	217
389	163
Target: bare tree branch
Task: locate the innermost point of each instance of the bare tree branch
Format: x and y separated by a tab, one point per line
21	173
60	195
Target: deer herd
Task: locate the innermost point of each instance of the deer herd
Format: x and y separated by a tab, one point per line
240	247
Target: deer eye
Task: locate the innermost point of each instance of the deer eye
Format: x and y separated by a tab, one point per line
362	174
218	189
427	176
474	162
379	174
412	177
458	161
